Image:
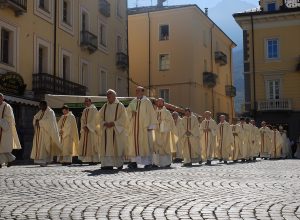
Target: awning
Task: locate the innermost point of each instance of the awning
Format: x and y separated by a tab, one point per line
21	100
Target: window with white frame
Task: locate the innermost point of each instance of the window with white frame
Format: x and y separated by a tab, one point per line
273	89
66	67
67	13
272	48
85	20
103	82
165	94
271	6
8	45
44	9
163	32
43	65
164	62
102	35
45	5
119	44
84	73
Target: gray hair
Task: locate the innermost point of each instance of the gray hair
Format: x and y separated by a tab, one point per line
111	91
1	95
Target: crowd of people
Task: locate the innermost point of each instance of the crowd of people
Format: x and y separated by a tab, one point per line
142	134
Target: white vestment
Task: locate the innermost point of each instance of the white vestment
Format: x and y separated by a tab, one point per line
208	139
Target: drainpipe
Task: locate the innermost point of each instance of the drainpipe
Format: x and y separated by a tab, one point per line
149	50
212	68
253	67
127	51
54	45
231	81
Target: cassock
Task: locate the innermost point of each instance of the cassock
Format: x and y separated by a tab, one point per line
254	141
208	139
142	121
176	143
276	141
245	141
286	146
190	143
113	140
46	140
162	138
89	149
265	141
236	132
8	134
69	138
224	140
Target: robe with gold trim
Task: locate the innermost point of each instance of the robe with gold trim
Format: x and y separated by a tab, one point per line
245	141
208	139
46	140
69	137
190	143
265	141
113	140
236	145
224	140
254	141
276	142
176	143
89	149
9	139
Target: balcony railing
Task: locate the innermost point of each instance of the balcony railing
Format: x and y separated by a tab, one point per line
44	83
104	8
275	105
19	6
89	41
230	91
209	79
220	58
122	60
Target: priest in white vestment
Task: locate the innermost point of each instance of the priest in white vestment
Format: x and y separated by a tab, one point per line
245	140
254	140
69	137
265	140
176	143
224	139
89	147
9	139
208	129
46	140
286	144
276	141
142	122
236	132
113	141
189	137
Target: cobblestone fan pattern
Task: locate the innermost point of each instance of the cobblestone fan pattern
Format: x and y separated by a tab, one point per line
261	190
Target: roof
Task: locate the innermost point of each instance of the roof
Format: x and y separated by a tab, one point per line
148	9
258	11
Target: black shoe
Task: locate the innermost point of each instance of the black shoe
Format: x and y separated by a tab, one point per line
200	162
149	166
168	166
208	162
43	165
107	168
225	162
0	166
120	167
154	166
132	165
187	165
9	164
92	163
235	161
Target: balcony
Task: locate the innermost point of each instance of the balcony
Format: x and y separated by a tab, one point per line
275	105
104	8
44	83
230	91
122	60
88	41
209	79
220	58
19	6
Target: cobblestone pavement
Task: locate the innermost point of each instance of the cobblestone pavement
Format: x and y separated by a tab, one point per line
261	190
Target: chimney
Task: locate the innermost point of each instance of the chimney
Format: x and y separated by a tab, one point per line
206	11
160	3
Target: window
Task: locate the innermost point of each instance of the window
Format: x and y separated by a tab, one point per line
273	87
5	43
84	20
165	94
43	59
164	32
66	12
84	69
164	62
44	9
66	66
119	6
43	5
103	82
272	48
102	35
271	6
119	44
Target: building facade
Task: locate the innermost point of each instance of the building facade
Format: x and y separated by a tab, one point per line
73	47
179	54
272	63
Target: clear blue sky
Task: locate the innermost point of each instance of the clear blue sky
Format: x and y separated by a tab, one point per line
201	3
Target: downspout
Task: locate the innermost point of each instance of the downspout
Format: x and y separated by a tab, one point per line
231	79
54	45
212	68
149	54
253	67
127	40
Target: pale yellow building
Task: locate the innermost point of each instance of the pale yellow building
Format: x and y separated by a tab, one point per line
75	47
181	55
272	62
